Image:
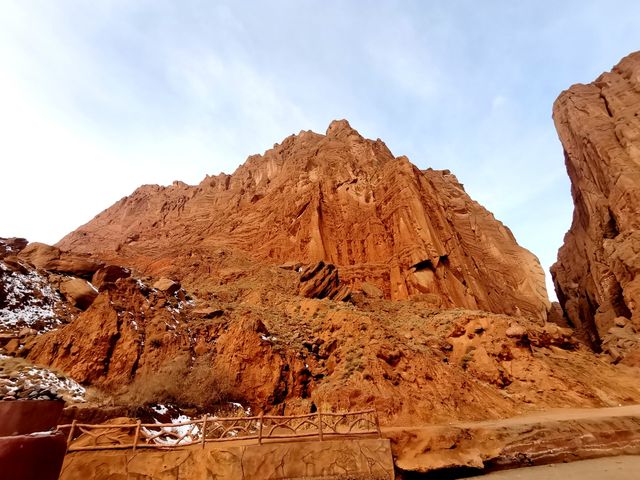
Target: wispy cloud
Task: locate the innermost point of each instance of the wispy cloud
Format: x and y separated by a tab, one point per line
99	97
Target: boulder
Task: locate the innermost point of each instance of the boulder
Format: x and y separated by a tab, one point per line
167	286
371	290
40	255
108	275
321	281
78	291
52	259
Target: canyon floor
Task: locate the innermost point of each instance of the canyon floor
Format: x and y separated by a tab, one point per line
609	468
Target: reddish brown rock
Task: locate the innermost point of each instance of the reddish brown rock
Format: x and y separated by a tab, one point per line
260	344
108	275
596	275
11	246
337	198
238	328
78	292
52	259
167	286
322	281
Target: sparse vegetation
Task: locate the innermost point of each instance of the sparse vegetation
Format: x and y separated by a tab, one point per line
178	383
468	356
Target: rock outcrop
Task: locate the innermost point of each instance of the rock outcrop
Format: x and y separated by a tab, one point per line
79	292
337	198
281	353
597	273
47	257
322	281
11	246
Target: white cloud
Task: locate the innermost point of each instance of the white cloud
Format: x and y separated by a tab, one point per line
99	97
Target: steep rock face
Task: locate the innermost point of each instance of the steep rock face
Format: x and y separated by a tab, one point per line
338	198
596	275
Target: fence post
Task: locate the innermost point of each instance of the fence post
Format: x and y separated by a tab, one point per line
320	424
260	429
70	437
375	415
204	429
135	438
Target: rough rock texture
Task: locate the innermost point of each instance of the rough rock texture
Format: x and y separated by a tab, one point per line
28	299
108	275
322	281
47	257
542	438
597	274
368	459
338	198
32	385
11	246
257	342
247	312
79	292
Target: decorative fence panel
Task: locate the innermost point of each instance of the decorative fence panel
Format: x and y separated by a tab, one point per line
263	428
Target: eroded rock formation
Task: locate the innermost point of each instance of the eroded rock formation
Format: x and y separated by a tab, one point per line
322	281
337	198
596	276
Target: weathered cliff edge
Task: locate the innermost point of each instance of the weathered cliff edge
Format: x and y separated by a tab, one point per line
596	275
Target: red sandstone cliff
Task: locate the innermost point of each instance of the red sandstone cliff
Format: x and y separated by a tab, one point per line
596	276
258	318
339	198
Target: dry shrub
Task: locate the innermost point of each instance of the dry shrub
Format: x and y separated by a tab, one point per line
181	382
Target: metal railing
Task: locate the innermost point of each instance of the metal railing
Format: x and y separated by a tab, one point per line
262	428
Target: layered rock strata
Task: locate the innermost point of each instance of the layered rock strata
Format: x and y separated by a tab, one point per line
597	273
337	198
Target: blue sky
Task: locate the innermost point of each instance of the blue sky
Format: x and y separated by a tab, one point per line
99	97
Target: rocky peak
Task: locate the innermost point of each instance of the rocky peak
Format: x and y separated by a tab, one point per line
337	198
341	128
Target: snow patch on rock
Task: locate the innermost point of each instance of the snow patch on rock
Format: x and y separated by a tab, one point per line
21	381
28	301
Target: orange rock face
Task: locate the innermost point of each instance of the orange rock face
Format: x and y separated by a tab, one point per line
320	276
265	346
338	198
597	274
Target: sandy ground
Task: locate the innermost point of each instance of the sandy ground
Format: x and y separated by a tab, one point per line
557	414
607	468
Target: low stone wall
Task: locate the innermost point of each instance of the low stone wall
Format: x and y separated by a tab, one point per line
310	460
19	417
32	457
24	454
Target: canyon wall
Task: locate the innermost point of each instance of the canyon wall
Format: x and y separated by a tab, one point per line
596	275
